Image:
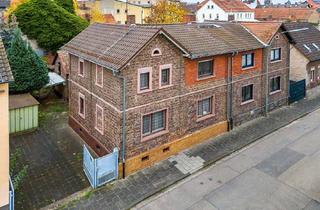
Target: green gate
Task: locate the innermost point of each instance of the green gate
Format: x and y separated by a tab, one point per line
297	90
23	113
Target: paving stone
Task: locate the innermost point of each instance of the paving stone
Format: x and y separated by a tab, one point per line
279	162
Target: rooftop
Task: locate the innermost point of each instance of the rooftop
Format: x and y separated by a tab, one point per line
263	30
282	13
5	70
306	38
113	46
229	5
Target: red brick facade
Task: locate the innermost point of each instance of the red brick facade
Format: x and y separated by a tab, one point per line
180	99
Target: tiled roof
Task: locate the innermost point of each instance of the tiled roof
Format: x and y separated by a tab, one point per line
214	38
110	45
113	46
5	71
229	5
306	38
293	14
263	30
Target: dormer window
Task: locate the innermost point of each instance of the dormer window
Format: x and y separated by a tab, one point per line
156	52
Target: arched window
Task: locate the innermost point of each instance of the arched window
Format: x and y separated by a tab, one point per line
156	52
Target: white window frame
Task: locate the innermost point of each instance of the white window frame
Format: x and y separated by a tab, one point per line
213	107
154	50
280	58
155	133
83	115
312	74
141	71
166	66
250	100
96	120
79	72
201	77
99	85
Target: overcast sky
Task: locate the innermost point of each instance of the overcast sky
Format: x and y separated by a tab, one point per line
273	1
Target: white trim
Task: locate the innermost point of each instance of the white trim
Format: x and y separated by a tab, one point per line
80	60
83	97
102	119
142	71
206	76
161	67
154	55
99	85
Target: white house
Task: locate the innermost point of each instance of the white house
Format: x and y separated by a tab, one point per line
224	10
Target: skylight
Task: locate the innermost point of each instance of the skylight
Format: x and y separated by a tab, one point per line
316	46
308	48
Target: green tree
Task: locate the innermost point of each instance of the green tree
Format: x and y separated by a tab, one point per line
49	24
29	71
67	5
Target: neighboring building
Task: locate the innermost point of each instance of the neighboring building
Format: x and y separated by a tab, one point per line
118	11
305	53
183	84
287	14
276	60
130	13
5	78
314	3
224	10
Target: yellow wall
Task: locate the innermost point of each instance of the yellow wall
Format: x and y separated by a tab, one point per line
140	12
4	145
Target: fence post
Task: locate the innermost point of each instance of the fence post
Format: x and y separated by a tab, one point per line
116	157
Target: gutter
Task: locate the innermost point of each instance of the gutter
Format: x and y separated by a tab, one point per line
123	136
230	91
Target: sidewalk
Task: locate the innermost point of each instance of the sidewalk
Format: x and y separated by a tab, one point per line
124	194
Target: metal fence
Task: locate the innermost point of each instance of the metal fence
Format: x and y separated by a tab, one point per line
11	195
100	170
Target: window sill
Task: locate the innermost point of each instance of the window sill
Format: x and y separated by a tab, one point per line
205	117
247	102
100	86
275	92
247	68
155	135
81	75
165	86
144	91
98	130
275	61
82	115
205	77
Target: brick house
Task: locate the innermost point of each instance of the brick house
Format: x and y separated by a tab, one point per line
155	90
304	53
276	61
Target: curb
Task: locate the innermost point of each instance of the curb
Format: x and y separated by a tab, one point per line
212	162
78	195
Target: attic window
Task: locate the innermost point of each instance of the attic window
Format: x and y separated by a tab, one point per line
316	46
277	37
308	48
156	52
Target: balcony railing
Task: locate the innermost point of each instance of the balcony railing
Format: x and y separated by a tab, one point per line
11	195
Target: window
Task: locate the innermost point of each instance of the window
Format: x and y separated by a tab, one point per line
211	6
144	80
99	75
205	68
81	67
247	93
275	54
275	84
118	11
205	107
247	60
156	52
203	15
208	6
210	16
217	17
153	123
99	119
312	74
82	108
165	75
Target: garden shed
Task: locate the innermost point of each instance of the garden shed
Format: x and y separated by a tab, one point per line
23	112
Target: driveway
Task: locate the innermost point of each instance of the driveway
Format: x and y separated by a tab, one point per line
53	154
278	172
